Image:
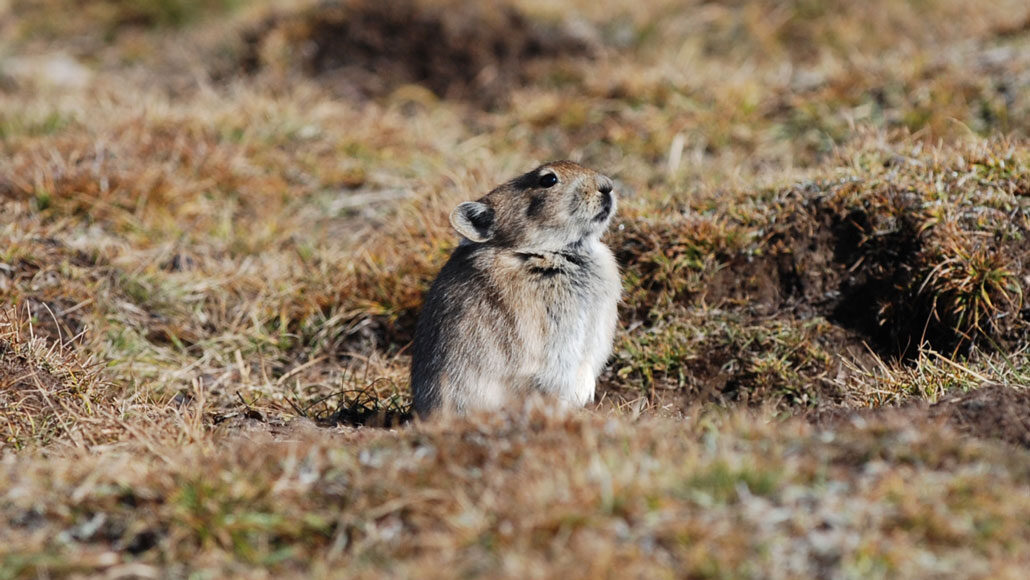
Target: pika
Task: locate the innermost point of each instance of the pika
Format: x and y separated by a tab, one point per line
527	302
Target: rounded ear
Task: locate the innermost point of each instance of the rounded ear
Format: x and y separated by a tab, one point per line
474	220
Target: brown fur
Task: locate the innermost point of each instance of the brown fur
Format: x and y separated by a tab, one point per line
527	302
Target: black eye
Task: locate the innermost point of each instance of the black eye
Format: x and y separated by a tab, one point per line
548	179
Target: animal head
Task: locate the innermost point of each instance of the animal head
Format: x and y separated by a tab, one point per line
551	208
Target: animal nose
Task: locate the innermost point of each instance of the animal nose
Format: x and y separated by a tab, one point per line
605	187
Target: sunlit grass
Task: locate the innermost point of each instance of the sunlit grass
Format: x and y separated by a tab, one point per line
213	254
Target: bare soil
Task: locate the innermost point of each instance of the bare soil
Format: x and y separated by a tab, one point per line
470	51
993	411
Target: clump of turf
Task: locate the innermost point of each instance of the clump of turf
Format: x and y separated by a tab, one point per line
50	392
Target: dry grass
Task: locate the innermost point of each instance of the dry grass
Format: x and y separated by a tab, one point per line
534	495
214	242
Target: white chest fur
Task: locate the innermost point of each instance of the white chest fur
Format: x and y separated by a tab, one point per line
569	312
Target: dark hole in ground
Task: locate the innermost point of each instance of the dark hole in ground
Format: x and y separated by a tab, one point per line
869	270
142	542
356	415
857	267
876	270
357	407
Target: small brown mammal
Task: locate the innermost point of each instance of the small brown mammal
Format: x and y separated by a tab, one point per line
527	303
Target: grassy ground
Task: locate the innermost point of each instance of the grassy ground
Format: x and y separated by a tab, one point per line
218	221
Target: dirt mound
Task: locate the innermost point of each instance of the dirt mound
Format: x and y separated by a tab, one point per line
784	302
993	411
474	51
867	257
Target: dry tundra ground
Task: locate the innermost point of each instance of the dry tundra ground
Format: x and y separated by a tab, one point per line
218	220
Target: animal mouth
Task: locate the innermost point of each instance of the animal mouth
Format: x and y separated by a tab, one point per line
606	208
